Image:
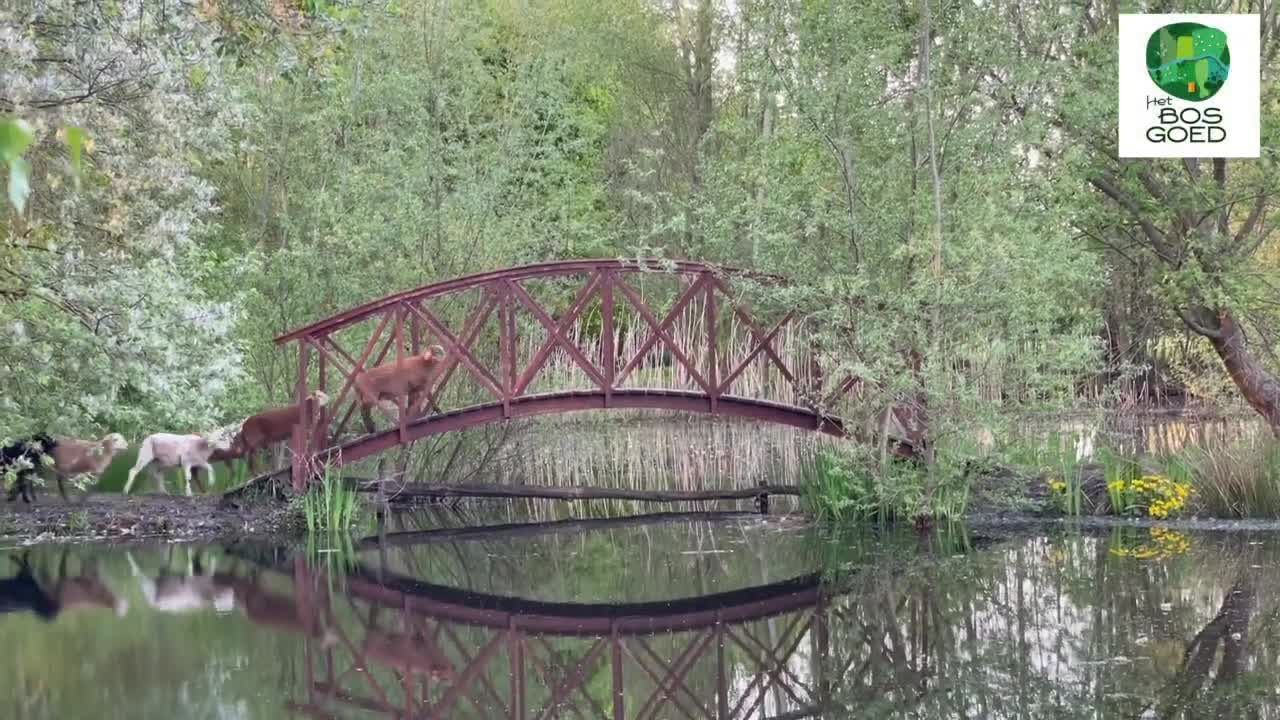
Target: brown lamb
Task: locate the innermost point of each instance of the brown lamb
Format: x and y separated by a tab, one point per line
386	383
268	428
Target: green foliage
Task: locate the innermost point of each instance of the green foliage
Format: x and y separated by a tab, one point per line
240	170
831	189
1056	461
850	485
331	505
78	521
1119	473
1189	229
16	136
105	321
414	147
75	145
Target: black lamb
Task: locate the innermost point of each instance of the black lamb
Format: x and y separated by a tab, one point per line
25	458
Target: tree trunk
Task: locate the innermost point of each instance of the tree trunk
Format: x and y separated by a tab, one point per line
935	314
1229	628
1260	387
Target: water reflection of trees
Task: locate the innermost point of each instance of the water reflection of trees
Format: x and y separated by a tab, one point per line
1021	628
664	556
1063	628
1024	627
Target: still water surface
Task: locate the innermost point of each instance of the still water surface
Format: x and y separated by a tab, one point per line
667	616
533	615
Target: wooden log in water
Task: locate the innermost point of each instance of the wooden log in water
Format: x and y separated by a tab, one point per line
525	492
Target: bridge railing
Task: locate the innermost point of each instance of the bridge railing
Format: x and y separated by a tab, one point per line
559	337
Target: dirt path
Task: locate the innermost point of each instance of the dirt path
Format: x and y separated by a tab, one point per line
110	516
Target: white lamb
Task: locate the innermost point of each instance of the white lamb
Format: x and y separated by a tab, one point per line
168	450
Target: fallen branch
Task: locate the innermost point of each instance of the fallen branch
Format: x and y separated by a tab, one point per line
412	492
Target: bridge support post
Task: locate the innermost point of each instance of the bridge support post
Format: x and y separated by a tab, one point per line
762	500
712	323
819	651
402	403
507	348
607	361
301	466
722	679
319	432
515	654
615	640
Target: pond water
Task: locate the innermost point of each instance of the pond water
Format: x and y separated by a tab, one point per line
541	610
663	616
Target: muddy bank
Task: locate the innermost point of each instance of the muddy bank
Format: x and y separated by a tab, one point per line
113	517
1000	501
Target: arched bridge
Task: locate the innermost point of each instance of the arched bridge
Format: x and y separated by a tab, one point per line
560	337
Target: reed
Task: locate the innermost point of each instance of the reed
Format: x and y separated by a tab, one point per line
1240	479
651	451
1057	460
333	553
330	505
851	485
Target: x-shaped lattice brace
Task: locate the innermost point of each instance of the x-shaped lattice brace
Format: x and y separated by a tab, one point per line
660	331
457	352
563	687
763	341
556	333
773	665
671	684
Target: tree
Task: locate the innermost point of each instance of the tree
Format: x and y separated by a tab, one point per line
407	145
103	317
1202	224
995	318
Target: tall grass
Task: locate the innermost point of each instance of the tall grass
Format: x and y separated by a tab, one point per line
1119	473
1238	480
330	505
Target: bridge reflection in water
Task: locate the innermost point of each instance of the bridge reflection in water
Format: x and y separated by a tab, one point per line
384	644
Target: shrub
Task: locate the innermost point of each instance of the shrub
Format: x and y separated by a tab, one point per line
852	485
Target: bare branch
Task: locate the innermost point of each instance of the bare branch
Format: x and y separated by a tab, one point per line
1195	322
1255	214
1158	241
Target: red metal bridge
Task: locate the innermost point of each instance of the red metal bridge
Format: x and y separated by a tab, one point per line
561	337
